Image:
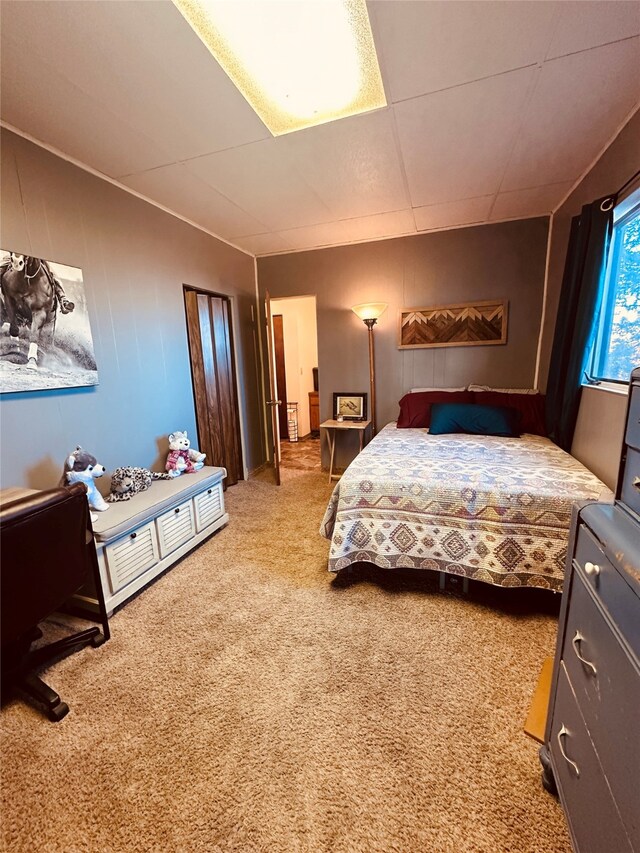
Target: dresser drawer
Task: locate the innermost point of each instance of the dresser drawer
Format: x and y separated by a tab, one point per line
630	487
632	434
606	684
131	555
209	506
591	811
175	527
609	587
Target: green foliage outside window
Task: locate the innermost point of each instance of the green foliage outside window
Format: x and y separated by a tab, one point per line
617	349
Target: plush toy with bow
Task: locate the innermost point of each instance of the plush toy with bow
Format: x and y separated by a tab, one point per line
182	458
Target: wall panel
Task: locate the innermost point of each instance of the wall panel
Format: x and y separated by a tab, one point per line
598	438
135	259
485	262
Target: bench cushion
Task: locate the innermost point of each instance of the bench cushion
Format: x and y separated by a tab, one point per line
160	496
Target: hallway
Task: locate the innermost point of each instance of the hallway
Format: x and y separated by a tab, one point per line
300	457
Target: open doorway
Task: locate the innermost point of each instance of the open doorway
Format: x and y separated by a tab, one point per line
295	337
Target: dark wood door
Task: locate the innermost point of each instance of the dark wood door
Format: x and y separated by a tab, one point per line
281	374
214	381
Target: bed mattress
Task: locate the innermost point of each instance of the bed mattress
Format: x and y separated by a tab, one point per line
492	509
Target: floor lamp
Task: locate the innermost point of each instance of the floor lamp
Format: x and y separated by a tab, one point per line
369	313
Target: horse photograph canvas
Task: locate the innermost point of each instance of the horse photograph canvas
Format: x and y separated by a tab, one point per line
45	332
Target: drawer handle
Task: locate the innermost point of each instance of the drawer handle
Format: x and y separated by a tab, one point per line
592	569
209	492
133	535
565	733
576	643
177	509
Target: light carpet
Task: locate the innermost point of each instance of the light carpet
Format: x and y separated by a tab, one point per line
250	702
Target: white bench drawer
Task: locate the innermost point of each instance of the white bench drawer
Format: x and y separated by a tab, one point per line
209	506
175	527
131	555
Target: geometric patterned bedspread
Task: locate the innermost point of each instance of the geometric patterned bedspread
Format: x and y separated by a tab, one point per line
493	509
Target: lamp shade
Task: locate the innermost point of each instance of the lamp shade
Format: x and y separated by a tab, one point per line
370	310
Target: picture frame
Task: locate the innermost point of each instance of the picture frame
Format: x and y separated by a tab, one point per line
54	348
464	324
352	406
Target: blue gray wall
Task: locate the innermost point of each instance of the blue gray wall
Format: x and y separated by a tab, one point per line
135	259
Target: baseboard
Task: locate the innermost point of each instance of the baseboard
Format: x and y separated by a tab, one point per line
255	471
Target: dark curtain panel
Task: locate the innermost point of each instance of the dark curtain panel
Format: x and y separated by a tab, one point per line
578	311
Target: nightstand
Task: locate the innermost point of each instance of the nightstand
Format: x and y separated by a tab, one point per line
332	428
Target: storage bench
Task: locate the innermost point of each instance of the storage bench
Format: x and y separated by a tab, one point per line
138	539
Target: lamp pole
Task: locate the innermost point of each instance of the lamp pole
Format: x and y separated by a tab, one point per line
369	312
370	323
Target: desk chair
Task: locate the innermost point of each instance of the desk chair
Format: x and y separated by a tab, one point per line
47	553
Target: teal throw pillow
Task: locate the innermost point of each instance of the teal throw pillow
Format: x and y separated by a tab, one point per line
473	419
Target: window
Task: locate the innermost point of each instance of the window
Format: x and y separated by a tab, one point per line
616	350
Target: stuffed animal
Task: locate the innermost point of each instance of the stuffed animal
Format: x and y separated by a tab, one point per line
182	458
82	467
127	482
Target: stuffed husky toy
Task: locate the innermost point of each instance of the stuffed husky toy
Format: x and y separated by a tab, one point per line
82	467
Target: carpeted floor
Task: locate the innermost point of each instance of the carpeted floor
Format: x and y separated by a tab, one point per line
248	702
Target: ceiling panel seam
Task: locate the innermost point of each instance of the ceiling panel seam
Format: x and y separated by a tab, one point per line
403	168
533	84
466	83
599	154
226	198
103	177
403	236
557	17
103	106
593	47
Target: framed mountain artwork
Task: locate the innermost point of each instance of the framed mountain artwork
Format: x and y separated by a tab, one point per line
465	324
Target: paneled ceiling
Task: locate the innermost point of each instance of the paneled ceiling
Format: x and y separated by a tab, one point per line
495	110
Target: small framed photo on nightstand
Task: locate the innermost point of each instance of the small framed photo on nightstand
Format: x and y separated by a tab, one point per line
349	407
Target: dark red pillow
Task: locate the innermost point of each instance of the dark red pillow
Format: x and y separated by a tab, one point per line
415	409
529	406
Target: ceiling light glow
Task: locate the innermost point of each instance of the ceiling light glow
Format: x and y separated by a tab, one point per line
298	63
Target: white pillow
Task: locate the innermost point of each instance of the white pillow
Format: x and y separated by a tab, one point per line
504	390
415	390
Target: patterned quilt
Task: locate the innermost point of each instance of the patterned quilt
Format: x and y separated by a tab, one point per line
492	509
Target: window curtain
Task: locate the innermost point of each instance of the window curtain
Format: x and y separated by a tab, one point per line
580	300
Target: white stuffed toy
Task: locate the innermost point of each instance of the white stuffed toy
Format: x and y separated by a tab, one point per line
82	467
182	458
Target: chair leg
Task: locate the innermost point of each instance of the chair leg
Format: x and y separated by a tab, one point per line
37	689
35	686
23	676
67	644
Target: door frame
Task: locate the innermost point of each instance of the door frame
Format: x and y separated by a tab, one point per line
271	403
281	374
234	362
262	296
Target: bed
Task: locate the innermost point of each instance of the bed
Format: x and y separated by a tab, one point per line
487	508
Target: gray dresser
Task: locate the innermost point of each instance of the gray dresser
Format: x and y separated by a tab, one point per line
591	756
